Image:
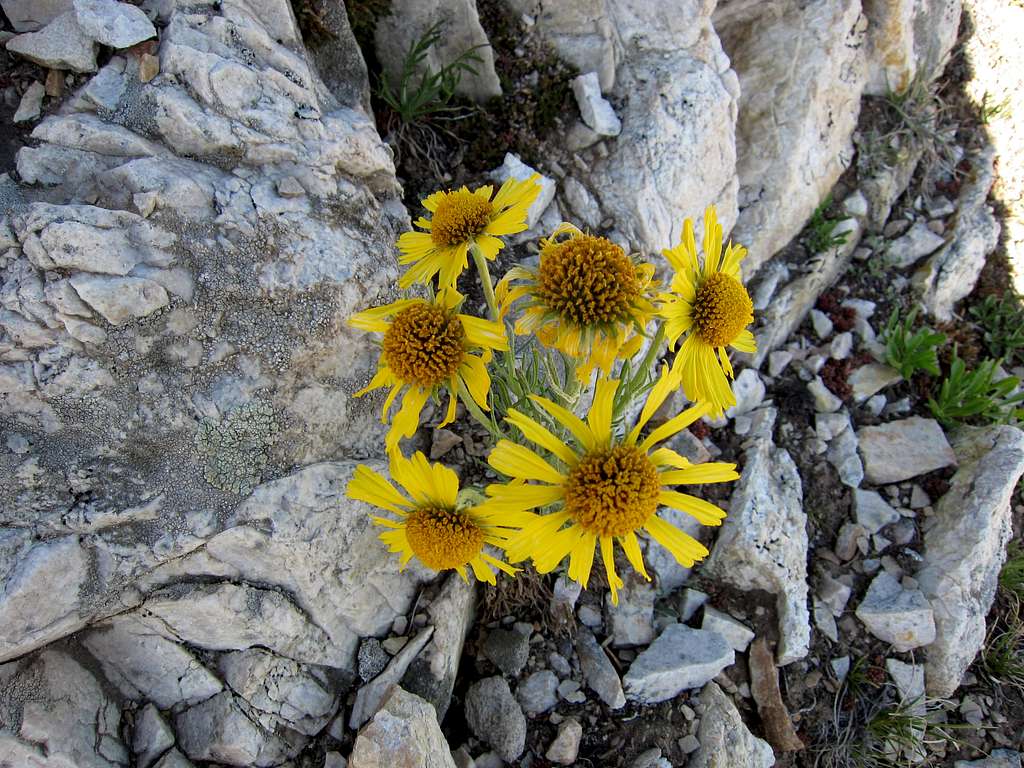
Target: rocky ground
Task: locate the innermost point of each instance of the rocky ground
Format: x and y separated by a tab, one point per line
197	195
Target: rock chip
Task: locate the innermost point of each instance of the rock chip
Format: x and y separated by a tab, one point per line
872	378
52	706
899	616
538	693
31	103
496	718
151	737
900	450
61	44
404	732
370	696
918	242
725	740
632	620
737	634
842	454
114	24
680	659
431	675
597	113
566	745
30	15
507	650
598	671
824	400
763	541
965	547
909	680
872	511
219	730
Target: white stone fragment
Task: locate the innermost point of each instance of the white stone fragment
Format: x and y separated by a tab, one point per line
871	378
596	111
514	168
680	659
61	44
899	616
918	242
737	634
900	450
872	511
822	324
114	24
31	103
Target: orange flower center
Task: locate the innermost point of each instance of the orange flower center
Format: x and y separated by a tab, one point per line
460	217
588	280
721	310
613	492
443	538
424	345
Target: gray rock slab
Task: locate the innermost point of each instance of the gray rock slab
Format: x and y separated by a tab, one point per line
900	450
151	737
61	44
404	731
965	547
680	659
872	511
496	718
899	616
737	634
538	693
725	740
598	671
114	24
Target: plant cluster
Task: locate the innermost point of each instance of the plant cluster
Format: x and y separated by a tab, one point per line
822	235
985	394
1002	326
564	373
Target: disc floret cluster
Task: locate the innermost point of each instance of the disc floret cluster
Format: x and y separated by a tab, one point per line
569	373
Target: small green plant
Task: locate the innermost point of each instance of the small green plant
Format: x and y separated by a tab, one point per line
430	95
980	395
822	234
1002	657
990	109
910	351
1011	577
1002	326
906	729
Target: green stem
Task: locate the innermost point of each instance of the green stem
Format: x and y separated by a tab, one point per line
485	281
477	412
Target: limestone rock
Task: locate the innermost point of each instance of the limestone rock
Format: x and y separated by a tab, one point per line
737	634
763	541
145	665
725	741
871	378
371	695
896	615
598	672
872	511
281	693
431	675
632	620
508	650
900	450
120	299
219	730
907	39
460	31
538	692
31	103
514	168
151	737
404	732
680	659
566	746
918	242
597	113
952	273
112	23
61	44
496	718
787	167
964	549
51	706
1000	758
30	15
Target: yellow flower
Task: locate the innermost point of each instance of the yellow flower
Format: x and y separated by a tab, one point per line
461	218
426	347
431	525
713	308
605	488
587	298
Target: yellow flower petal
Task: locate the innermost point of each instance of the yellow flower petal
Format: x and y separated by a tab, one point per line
516	461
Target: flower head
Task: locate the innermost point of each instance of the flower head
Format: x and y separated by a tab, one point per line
710	305
431	524
459	219
603	488
587	298
427	346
